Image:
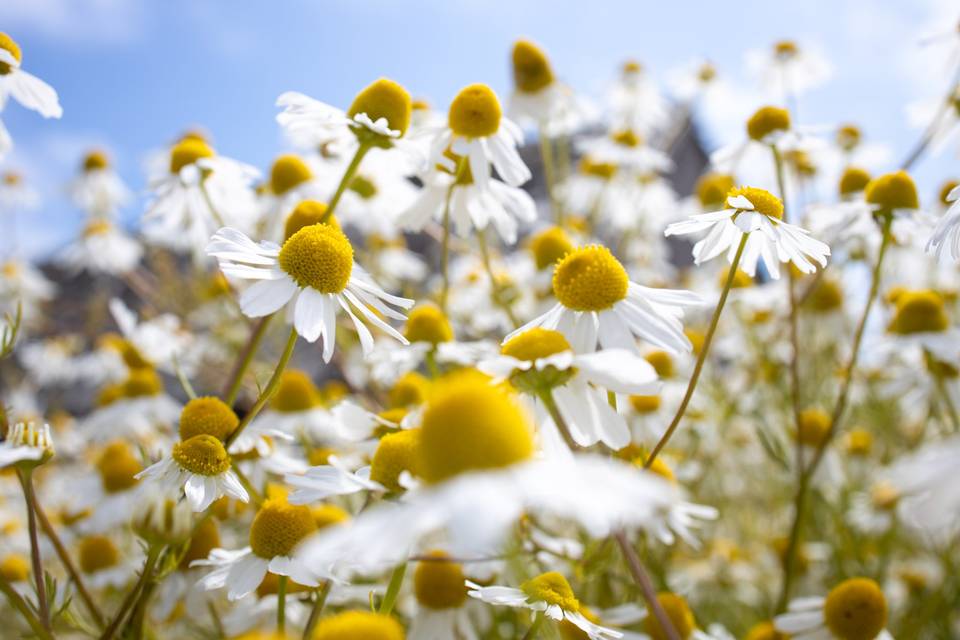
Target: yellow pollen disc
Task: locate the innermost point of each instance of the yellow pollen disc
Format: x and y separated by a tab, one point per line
785	49
475	112
397	452
696	339
142	383
208	415
814	427
206	538
279	526
590	279
763	201
856	609
854	180
384	99
95	160
428	323
552	588
531	68
827	296
627	138
549	246
14	568
202	455
765	631
359	625
604	170
439	584
127	350
645	404
187	152
97	228
662	362
893	191
848	137
108	394
741	279
8	44
410	389
12	179
535	343
469	424
712	190
306	213
631	67
945	190
919	312
678	611
295	393
326	515
420	104
662	469
288	171
320	257
801	162
767	120
859	442
706	73
97	553
395	415
884	496
270	586
117	466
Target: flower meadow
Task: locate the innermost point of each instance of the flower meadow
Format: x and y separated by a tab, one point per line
487	367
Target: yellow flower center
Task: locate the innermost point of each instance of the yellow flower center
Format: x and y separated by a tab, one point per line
469	424
827	296
279	527
549	246
288	171
767	120
814	427
854	180
590	167
306	213
763	201
428	323
848	137
535	343
13	567
945	190
590	279
631	67
206	538
410	389
893	191
187	152
12	179
439	584
127	350
662	362
318	256
660	468
531	68
97	553
884	496
919	312
359	625
475	112
295	393
856	609
202	455
397	452
706	73
678	611
8	44
118	466
645	404
326	515
765	631
785	49
384	99
97	228
208	415
552	588
95	160
712	190
142	383
627	138
859	442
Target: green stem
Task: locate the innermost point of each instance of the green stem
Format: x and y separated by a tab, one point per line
153	553
535	627
494	286
643	581
393	588
235	381
445	250
20	605
551	406
282	605
26	481
549	174
318	605
346	179
702	358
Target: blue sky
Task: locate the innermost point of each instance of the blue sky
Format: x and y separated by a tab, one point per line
132	74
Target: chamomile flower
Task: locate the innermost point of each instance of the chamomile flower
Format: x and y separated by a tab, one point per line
920	319
26	442
539	97
136	406
16	195
596	302
637	102
102	248
98	190
30	91
769	126
23	284
160	341
681	618
757	214
787	69
549	593
443	608
928	498
628	149
104	564
312	274
359	624
113	493
332	479
947	232
855	609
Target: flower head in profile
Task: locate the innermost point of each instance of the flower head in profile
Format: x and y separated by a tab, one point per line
26	442
98	189
30	91
313	274
788	69
855	609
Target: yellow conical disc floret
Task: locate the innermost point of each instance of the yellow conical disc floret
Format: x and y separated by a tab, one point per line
645	404
678	611
14	568
288	171
919	312
202	455
549	246
826	296
359	625
475	112
279	526
767	120
95	161
945	190
531	67
589	166
205	538
396	453
534	344
712	190
848	137
306	213
97	228
320	257
141	383
97	553
763	201
856	610
893	191
295	393
127	350
765	631
469	424
118	466
325	515
785	49
627	138
410	389
384	99
208	415
187	152
439	584
552	588
428	323
854	180
9	45
590	279
814	427
662	362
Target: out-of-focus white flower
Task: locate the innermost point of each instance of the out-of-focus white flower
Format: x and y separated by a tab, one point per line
102	248
30	91
98	190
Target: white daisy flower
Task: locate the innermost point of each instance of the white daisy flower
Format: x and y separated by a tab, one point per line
99	190
200	467
23	284
16	195
920	319
540	98
30	91
637	102
855	609
768	127
161	340
947	233
625	148
930	499
786	69
137	406
598	303
758	215
102	248
443	609
312	273
548	593
104	564
26	441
